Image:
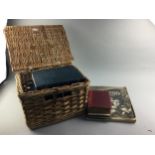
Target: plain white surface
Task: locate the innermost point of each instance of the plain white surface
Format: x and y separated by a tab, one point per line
109	53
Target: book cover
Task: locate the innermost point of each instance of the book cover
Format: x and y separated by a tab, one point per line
56	77
99	103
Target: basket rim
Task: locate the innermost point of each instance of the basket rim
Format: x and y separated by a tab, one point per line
45	91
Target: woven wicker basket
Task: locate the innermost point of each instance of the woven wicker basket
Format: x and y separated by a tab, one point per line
39	47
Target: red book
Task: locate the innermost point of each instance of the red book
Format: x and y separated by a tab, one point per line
99	102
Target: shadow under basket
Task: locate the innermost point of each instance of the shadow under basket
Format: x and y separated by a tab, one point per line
51	105
41	47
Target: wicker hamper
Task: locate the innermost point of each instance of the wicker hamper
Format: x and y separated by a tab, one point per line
40	47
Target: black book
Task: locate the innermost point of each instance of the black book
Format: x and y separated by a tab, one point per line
56	77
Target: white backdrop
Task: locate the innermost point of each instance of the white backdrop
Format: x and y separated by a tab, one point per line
109	53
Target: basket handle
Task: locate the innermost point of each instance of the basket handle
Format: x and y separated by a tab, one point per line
58	95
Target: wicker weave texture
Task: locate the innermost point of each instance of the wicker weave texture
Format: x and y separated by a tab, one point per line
52	105
33	47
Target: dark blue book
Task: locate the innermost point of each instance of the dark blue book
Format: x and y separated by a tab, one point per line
56	77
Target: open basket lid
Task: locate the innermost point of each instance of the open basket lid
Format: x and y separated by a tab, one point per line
32	47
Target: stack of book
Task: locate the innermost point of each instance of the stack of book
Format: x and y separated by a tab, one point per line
110	104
